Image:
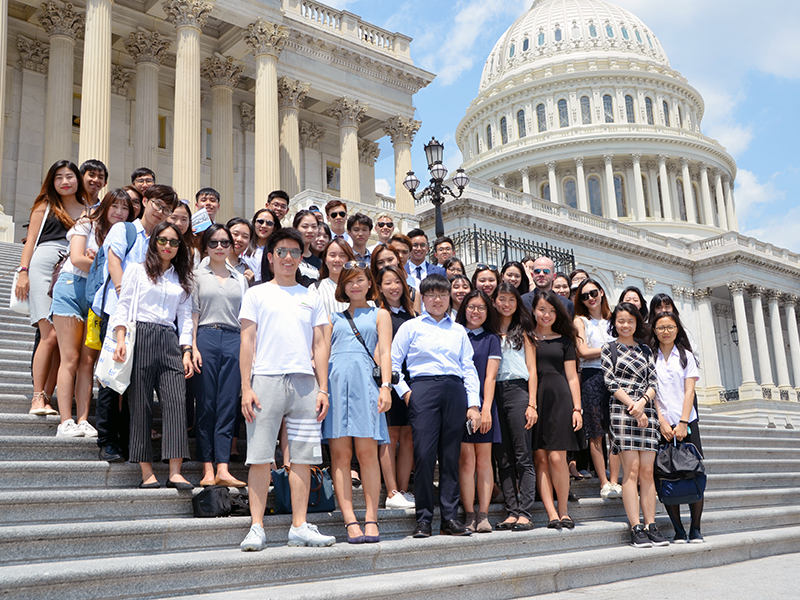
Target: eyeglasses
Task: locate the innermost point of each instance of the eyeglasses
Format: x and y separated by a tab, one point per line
476	308
388	224
590	294
278	205
337	214
441	296
214	243
265	222
666	328
164	210
455	270
282	252
539	271
144	180
355	264
482	267
173	242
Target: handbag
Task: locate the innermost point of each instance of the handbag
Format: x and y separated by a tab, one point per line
108	372
62	258
376	370
680	475
320	497
93	324
23	307
213	501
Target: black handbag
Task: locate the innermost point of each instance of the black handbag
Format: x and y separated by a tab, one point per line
320	497
213	501
376	370
680	474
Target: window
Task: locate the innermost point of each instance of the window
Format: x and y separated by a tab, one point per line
608	108
592	30
563	114
333	173
646	197
666	113
162	132
619	193
503	130
521	123
576	32
649	41
609	31
541	118
586	110
629	109
525	44
570	195
595	197
541	38
208	144
681	200
648	108
696	203
638	36
545	191
511	51
625	33
558	34
477	143
489	137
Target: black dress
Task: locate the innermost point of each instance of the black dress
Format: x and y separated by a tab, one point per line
553	430
397	415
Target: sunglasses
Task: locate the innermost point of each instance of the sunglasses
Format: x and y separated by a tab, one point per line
355	264
265	222
173	242
590	294
337	214
482	267
215	243
386	224
539	271
282	252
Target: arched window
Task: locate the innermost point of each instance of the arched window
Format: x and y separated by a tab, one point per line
563	114
649	41
541	118
629	109
609	31
503	130
586	110
477	143
646	197
696	203
608	108
680	117
648	108
576	32
660	196
625	33
592	30
557	34
638	36
525	44
666	113
541	38
681	199
544	191
511	51
619	192
570	195
489	137
595	196
521	124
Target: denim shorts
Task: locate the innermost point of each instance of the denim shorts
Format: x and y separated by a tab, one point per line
69	297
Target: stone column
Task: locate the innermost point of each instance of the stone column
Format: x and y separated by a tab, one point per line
62	25
688	196
789	303
266	41
580	175
291	94
666	201
733	222
148	49
188	16
720	204
525	173
765	369
641	211
223	74
708	341
3	60
401	130
551	174
348	114
96	83
501	181
368	153
610	192
311	136
248	113
778	346
705	196
737	289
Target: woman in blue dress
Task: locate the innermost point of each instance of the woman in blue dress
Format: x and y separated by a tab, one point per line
355	416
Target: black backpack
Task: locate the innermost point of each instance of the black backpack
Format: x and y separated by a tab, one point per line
213	501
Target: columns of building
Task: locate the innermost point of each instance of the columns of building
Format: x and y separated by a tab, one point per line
525	173
348	114
401	130
655	199
666	200
688	195
762	345
610	191
778	346
62	25
789	302
720	204
708	340
248	114
96	83
266	41
291	94
705	195
583	195
223	74
551	174
733	222
311	136
147	48
737	289
641	211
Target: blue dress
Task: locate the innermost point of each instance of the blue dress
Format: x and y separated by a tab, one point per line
353	410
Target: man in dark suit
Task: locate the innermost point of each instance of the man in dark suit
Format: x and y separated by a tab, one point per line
544	273
417	266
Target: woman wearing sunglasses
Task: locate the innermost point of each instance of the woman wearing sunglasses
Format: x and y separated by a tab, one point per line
216	300
265	223
153	294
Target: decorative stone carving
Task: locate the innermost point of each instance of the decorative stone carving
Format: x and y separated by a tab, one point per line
121	80
635	158
221	70
368	152
737	287
347	112
619	278
147	46
649	285
263	37
662	160
723	310
774	295
57	20
578	161
551	165
187	13
311	135
608	158
248	116
401	129
678	291
684	162
702	295
788	299
291	93
33	54
756	291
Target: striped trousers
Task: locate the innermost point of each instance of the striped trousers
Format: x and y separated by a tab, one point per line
157	366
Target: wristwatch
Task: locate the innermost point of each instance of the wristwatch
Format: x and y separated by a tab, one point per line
387	384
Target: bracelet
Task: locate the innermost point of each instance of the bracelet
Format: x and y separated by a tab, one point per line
577	410
326	393
533	406
20	269
187	349
684	422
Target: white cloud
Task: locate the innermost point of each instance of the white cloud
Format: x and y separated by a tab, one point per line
752	196
382	186
780	232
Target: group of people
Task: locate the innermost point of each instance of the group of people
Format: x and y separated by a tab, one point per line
314	337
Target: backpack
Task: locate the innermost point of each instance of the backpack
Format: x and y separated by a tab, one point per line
612	348
96	278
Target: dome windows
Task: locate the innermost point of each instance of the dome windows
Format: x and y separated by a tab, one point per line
638	36
526	43
649	41
540	39
544	191
595	196
648	109
609	30
541	118
608	108
511	51
625	33
619	193
576	31
521	124
586	110
665	105
557	34
629	112
563	114
489	137
570	195
503	130
592	30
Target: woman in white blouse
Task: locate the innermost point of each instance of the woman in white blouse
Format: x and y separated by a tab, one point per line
153	295
334	256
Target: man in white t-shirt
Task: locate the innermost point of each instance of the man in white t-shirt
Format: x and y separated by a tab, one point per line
280	383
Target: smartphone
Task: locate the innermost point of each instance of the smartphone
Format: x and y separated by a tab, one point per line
470	431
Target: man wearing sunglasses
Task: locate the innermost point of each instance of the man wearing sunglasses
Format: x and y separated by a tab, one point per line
336	211
283	325
384	229
543	272
417	266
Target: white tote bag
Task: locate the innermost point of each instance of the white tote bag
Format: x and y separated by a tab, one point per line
113	374
23	307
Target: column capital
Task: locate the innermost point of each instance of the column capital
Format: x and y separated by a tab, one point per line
607	158
248	116
737	287
716	173
703	166
790	299
147	46
756	291
291	92
684	162
662	159
221	70
723	310
578	161
121	80
33	54
524	171
551	165
402	129
649	285
368	152
187	13
63	21
703	295
347	112
311	135
263	37
635	158
774	296
678	291
619	278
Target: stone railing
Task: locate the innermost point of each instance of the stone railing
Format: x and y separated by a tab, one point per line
731	240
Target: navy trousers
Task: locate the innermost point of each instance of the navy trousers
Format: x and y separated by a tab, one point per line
437	411
112	417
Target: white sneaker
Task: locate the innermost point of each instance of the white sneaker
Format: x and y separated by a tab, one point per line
69	429
308	535
410	497
87	429
617	491
398	500
607	491
255	541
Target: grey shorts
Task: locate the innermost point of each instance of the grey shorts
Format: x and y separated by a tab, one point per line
291	397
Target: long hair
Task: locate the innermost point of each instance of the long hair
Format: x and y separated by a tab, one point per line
206	237
563	324
641	332
638	292
181	260
492	322
658	301
580	308
681	338
188	237
524	285
99	215
405	299
522	324
480	270
348	275
254	237
343	245
49	195
381	247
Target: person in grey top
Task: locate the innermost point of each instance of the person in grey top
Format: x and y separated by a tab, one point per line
216	300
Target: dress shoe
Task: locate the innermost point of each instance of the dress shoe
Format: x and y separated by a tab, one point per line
422	530
371	539
522	526
453	527
505	525
179	485
111	453
232	482
150	486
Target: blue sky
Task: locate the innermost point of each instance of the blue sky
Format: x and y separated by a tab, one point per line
742	56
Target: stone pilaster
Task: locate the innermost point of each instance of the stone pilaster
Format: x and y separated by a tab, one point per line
789	305
583	195
402	130
666	200
705	195
737	289
720	196
610	192
553	180
348	113
96	83
688	195
765	368
291	94
730	207
708	340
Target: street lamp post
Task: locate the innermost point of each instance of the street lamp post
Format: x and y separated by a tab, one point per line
437	190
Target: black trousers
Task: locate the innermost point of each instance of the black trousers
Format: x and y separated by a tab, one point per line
112	416
437	411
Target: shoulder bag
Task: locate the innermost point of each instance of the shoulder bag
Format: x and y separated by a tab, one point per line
23	307
376	370
320	497
112	374
680	474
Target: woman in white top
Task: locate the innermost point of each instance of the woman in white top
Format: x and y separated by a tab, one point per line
153	295
242	232
336	253
591	321
70	310
265	223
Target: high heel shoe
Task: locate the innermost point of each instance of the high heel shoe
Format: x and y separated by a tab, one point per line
359	539
371	539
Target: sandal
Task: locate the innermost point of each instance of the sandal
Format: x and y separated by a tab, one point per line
371	539
49	410
359	539
38	404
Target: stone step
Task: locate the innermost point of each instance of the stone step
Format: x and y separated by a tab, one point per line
751	465
776	441
747	452
734	431
752	481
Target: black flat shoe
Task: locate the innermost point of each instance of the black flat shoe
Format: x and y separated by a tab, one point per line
522	526
505	525
453	527
554	524
179	485
150	486
567	523
422	530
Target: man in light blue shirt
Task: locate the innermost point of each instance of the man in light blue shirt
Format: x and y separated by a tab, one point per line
444	386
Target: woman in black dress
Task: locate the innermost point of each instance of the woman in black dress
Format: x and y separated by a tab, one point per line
559	402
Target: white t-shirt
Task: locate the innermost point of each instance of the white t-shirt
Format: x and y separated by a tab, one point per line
671	378
285	318
83	228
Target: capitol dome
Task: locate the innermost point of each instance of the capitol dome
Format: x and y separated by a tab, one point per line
579	105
